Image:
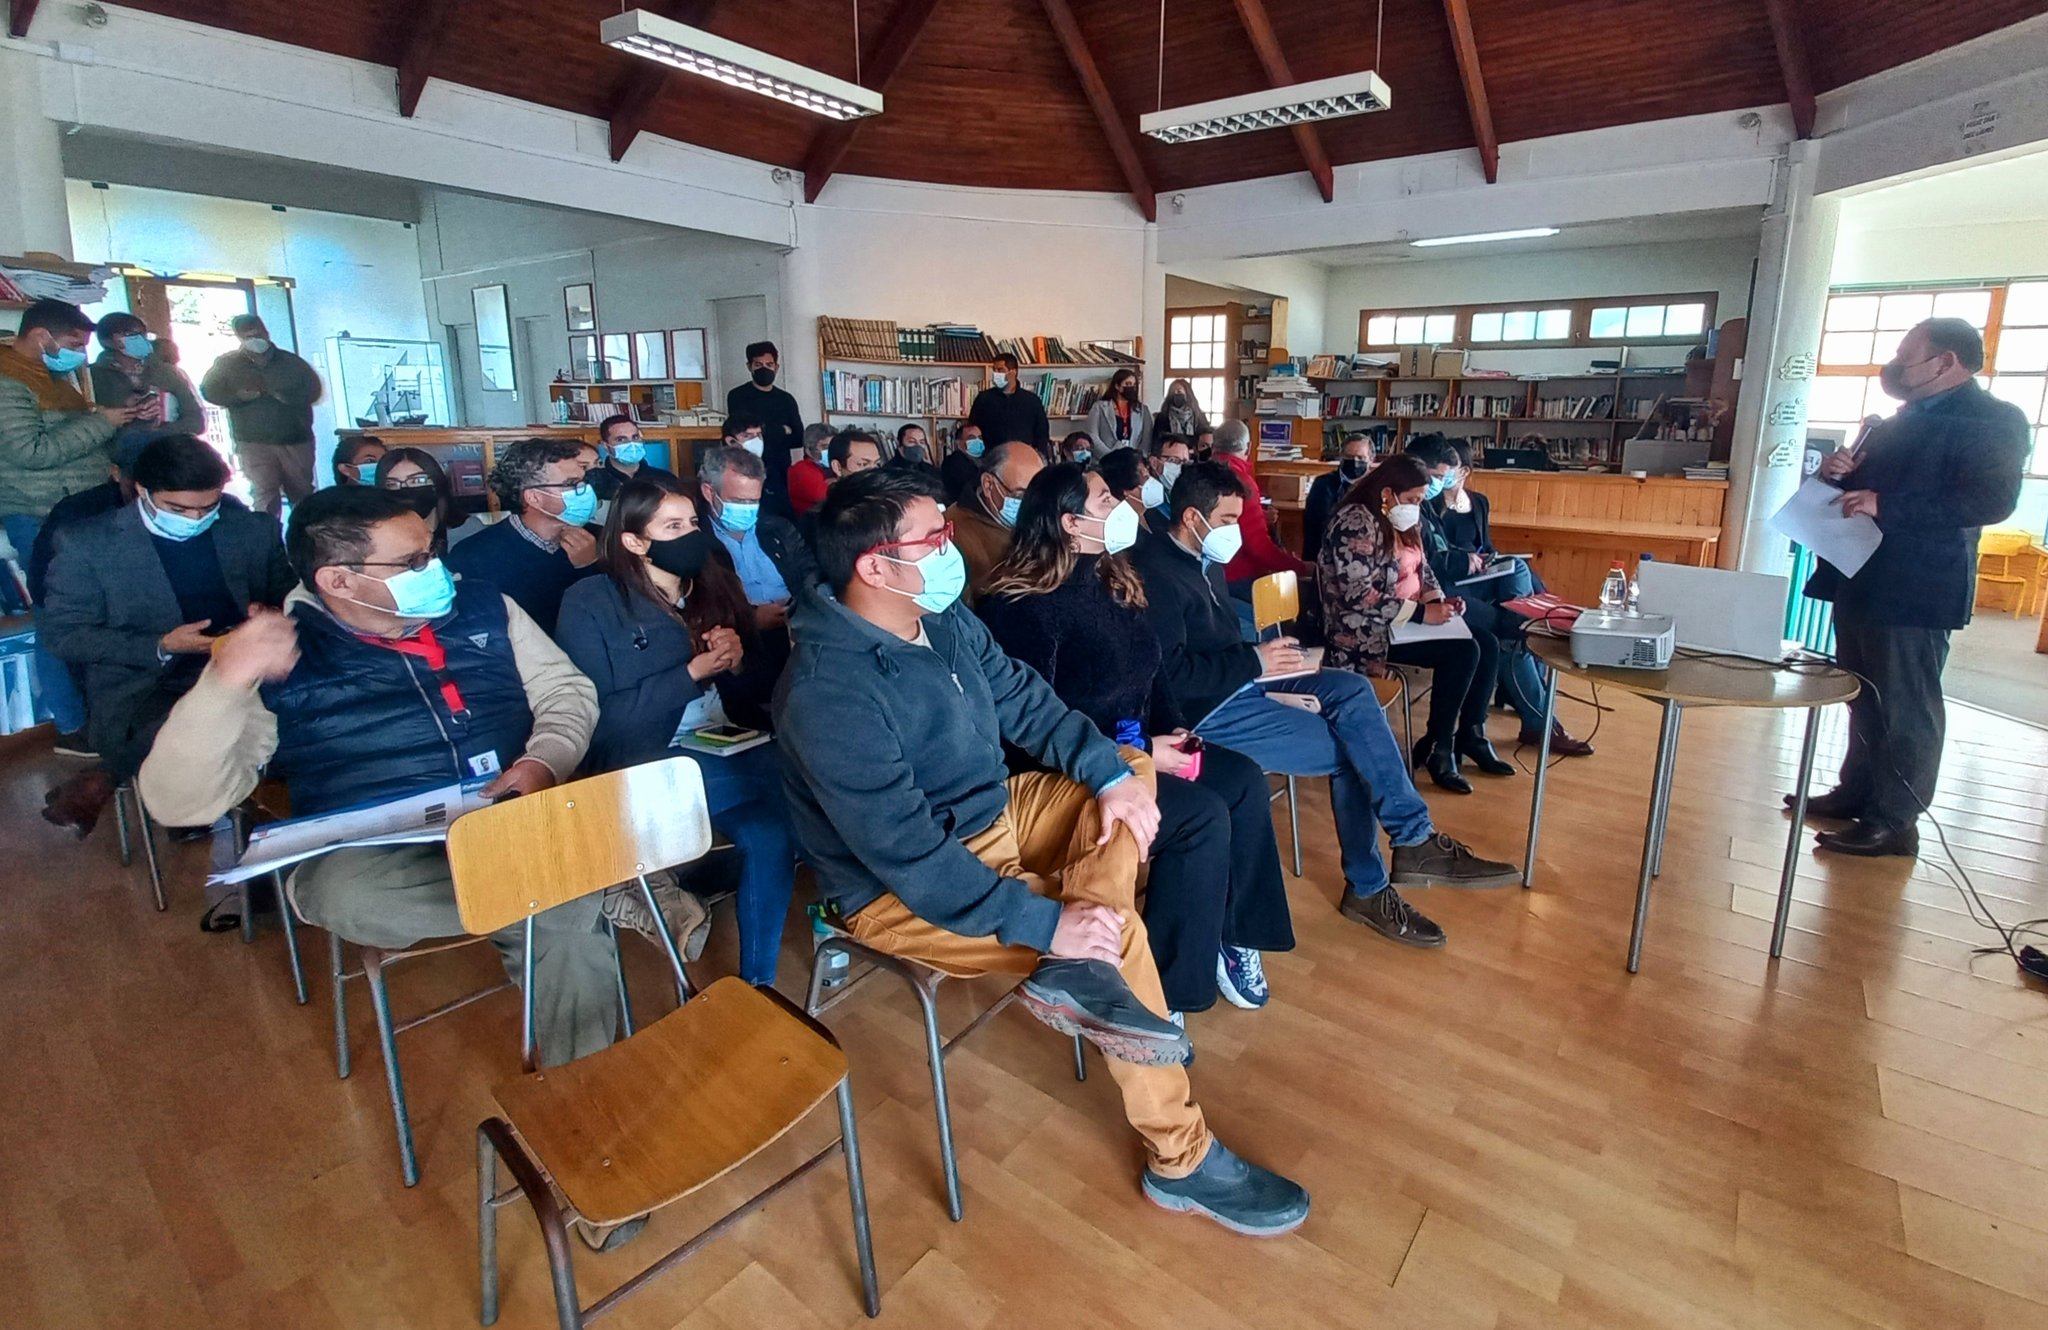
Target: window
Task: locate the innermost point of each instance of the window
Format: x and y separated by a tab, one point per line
1521	325
1596	321
1641	323
1861	331
1198	350
1411	327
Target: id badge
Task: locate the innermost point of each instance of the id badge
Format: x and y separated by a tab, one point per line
484	764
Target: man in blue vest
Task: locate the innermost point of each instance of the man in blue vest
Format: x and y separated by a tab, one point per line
383	677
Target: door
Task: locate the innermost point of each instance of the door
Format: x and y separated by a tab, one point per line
736	320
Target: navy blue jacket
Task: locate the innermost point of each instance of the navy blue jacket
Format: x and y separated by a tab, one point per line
1206	657
892	754
638	657
358	723
1940	472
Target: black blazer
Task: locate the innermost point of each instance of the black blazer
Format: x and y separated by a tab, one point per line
1323	494
1447	548
1940	473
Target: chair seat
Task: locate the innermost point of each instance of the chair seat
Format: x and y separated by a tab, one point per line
1387	689
653	1118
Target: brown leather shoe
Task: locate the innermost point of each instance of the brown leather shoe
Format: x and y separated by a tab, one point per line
1561	744
78	802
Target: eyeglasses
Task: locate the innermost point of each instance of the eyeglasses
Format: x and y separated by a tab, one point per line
417	481
412	563
931	544
575	484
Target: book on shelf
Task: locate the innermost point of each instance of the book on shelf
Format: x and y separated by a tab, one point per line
852	393
1416	404
1484	406
1069	397
1351	405
1592	406
858	339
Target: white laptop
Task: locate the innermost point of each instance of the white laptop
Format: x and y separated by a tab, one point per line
1713	609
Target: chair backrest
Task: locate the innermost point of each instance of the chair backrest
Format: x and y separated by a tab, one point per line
2003	541
518	858
1276	598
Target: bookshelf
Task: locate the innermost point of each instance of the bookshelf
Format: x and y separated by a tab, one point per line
580	402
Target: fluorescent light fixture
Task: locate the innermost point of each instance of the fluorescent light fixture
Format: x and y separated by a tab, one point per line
695	51
1295	104
1526	233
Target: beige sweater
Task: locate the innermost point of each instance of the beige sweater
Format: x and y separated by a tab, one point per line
213	746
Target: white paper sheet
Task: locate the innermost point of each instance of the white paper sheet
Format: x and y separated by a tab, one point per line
415	819
1813	517
1415	630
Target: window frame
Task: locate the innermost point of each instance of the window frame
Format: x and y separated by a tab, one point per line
1582	308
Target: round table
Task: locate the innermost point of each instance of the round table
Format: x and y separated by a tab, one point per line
1693	680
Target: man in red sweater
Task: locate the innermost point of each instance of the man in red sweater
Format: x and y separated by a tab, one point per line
1258	555
809	476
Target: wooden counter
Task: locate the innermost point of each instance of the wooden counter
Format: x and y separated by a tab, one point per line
1577	525
467	454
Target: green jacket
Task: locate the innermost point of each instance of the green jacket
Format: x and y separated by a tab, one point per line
111	386
47	451
268	400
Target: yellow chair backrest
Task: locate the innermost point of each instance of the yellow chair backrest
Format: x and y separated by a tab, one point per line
538	851
1276	598
2003	541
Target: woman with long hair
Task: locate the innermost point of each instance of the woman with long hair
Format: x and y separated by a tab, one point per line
1373	578
660	634
1121	419
1068	603
1181	413
415	475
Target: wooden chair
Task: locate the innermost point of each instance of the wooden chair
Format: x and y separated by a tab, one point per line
1276	600
925	983
664	1112
1997	547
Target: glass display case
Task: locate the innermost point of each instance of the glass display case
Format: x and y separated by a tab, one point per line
386	381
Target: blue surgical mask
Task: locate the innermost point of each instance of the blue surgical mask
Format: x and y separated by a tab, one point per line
975	447
175	526
135	346
366	471
1082	455
428	593
64	360
1011	506
579	505
1436	485
630	453
739	518
945	577
1001	378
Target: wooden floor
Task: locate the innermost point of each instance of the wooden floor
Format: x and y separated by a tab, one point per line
1508	1132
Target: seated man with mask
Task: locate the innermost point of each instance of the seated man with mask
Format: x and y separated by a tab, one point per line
773	563
891	720
1329	487
537	552
383	677
624	454
811	474
983	518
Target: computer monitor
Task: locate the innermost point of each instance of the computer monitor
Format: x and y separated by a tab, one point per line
1713	609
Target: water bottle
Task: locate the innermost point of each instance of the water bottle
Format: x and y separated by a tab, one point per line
1614	591
1635	584
836	969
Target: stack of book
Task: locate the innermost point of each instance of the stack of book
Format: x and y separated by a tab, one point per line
962	341
859	339
917	344
1287	395
1707	471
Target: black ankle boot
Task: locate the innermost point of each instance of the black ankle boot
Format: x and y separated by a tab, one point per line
1443	769
1475	747
1419	755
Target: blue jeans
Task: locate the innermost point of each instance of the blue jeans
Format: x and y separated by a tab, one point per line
1351	744
55	688
743	793
1520	678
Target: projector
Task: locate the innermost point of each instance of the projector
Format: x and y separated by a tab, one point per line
1622	641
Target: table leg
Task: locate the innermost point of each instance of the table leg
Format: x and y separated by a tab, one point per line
1664	819
1653	827
1797	834
1542	777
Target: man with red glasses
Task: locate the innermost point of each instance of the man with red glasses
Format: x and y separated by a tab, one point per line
891	719
383	677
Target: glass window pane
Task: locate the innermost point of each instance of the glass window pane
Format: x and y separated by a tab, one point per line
2022	392
1852	313
1486	327
1209	392
1886	346
1845	348
1408	328
2039	466
1379	330
1609	323
1646	321
1202	356
1972	307
1554	325
1441	328
1876	401
1180	329
1905	310
1519	326
2022	349
1835	399
1684	320
2026	304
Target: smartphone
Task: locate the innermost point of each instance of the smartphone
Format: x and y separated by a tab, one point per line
1192	745
725	734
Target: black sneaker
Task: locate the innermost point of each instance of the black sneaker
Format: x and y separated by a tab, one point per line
1443	862
1385	913
1090	999
1241	1196
75	744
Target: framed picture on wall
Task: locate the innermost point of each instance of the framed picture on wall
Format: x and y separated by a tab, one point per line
687	348
650	355
583	357
580	305
618	356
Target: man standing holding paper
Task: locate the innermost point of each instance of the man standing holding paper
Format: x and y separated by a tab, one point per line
1948	463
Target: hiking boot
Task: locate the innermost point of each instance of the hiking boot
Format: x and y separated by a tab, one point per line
689	923
1241	977
1241	1196
1385	913
1090	999
1443	862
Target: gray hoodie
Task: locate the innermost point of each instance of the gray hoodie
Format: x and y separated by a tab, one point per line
892	754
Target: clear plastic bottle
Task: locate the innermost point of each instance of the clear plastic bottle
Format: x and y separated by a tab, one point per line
1635	584
1614	591
840	966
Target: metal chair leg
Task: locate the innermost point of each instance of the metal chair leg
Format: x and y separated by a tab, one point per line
291	938
248	897
486	1228
857	1193
380	1003
533	1184
935	1051
1080	1058
1294	824
121	797
619	974
156	872
339	974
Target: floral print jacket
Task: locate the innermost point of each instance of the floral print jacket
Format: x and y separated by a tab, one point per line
1357	573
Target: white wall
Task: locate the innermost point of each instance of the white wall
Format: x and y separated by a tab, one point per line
357	274
645	278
